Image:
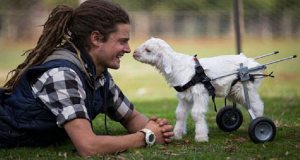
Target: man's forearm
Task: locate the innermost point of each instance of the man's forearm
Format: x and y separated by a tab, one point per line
135	122
88	144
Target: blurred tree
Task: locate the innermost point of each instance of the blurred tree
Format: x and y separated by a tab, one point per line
255	6
16	14
178	5
17	4
53	3
174	5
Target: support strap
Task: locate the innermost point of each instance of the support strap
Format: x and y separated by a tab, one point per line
199	77
252	77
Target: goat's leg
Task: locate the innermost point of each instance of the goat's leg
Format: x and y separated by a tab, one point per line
182	111
256	103
198	112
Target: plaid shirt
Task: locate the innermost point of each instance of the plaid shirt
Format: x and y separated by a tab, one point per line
61	90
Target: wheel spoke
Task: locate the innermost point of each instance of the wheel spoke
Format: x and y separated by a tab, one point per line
229	120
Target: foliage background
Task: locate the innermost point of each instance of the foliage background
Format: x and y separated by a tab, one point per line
19	20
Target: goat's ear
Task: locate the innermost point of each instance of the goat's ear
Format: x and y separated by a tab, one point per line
167	63
167	66
242	54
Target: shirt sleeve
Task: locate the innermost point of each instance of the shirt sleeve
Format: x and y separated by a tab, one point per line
119	107
61	90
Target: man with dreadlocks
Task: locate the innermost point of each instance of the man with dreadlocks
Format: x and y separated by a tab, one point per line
63	84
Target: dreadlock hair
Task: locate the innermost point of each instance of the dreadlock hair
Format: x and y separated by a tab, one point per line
96	15
66	24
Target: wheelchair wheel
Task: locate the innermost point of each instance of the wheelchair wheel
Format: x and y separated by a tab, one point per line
229	119
262	129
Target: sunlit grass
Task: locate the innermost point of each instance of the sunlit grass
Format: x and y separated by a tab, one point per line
151	95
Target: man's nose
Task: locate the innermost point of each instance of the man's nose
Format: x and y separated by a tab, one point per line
127	48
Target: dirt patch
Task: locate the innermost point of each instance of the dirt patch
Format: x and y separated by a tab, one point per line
287	76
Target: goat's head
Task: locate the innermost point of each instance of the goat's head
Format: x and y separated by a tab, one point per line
155	52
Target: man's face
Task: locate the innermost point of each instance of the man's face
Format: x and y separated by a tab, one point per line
109	53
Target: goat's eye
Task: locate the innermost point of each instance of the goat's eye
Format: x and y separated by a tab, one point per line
147	50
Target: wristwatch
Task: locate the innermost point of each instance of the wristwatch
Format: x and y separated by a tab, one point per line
149	136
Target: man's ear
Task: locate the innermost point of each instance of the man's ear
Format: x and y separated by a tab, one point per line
96	38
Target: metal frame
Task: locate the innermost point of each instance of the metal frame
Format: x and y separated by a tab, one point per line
244	73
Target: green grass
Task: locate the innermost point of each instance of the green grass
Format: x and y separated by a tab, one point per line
151	95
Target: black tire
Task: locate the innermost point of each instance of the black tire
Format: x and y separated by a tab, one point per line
228	122
262	129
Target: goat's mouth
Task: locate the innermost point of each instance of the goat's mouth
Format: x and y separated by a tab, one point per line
136	57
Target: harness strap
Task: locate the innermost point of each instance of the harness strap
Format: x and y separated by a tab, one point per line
199	77
252	77
262	75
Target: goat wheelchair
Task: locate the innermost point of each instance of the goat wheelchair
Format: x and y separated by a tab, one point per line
230	118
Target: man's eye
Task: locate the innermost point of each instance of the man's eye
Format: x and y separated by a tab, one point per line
123	41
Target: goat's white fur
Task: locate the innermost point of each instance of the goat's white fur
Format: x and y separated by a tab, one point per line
178	69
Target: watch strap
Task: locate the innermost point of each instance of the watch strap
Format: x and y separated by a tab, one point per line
148	133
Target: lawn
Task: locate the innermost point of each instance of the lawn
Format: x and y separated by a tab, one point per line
151	95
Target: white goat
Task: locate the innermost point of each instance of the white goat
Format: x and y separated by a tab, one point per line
178	69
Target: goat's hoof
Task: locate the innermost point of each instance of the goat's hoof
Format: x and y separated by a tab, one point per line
177	137
201	138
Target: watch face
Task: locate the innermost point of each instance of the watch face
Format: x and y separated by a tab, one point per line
151	137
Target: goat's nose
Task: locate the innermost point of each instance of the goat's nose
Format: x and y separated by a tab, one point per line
135	55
